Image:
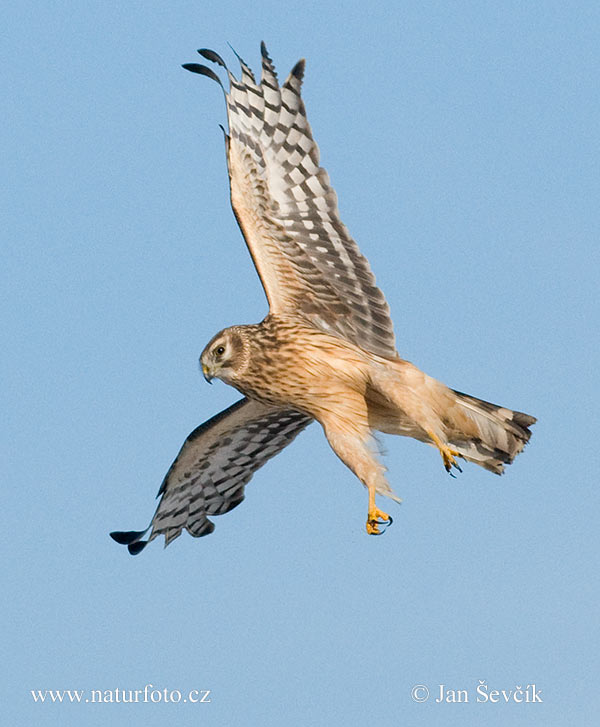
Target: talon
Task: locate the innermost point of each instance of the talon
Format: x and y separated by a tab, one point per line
376	518
448	455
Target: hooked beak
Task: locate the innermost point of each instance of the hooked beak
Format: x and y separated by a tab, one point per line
206	373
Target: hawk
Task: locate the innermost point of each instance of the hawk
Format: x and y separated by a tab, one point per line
326	350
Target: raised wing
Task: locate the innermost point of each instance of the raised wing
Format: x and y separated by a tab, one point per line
287	211
215	463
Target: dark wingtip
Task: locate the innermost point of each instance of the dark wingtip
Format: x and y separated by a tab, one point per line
135	548
127	537
523	420
202	70
298	69
267	63
235	53
132	539
210	55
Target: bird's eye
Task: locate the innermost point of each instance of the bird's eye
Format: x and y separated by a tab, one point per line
220	350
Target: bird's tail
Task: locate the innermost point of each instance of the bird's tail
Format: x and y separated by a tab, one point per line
500	433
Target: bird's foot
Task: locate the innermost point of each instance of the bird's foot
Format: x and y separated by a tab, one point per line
375	518
448	456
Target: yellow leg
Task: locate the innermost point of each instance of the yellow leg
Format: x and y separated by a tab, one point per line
448	454
375	516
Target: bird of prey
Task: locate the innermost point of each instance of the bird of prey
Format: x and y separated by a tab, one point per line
325	351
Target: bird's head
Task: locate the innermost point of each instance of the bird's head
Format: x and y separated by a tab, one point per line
225	355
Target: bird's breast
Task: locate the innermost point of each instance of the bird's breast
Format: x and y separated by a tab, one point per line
292	365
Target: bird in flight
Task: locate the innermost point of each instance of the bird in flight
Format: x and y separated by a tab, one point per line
326	349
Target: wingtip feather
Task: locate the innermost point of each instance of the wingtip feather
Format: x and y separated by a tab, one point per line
203	71
125	537
298	69
210	55
136	548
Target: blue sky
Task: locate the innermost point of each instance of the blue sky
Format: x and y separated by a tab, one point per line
462	139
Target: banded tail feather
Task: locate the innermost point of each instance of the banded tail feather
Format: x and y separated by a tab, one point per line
502	433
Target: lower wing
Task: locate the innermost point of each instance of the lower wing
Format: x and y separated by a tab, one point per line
214	464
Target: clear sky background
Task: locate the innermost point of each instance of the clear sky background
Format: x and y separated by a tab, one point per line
462	139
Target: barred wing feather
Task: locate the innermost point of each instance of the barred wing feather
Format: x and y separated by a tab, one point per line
288	214
215	463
